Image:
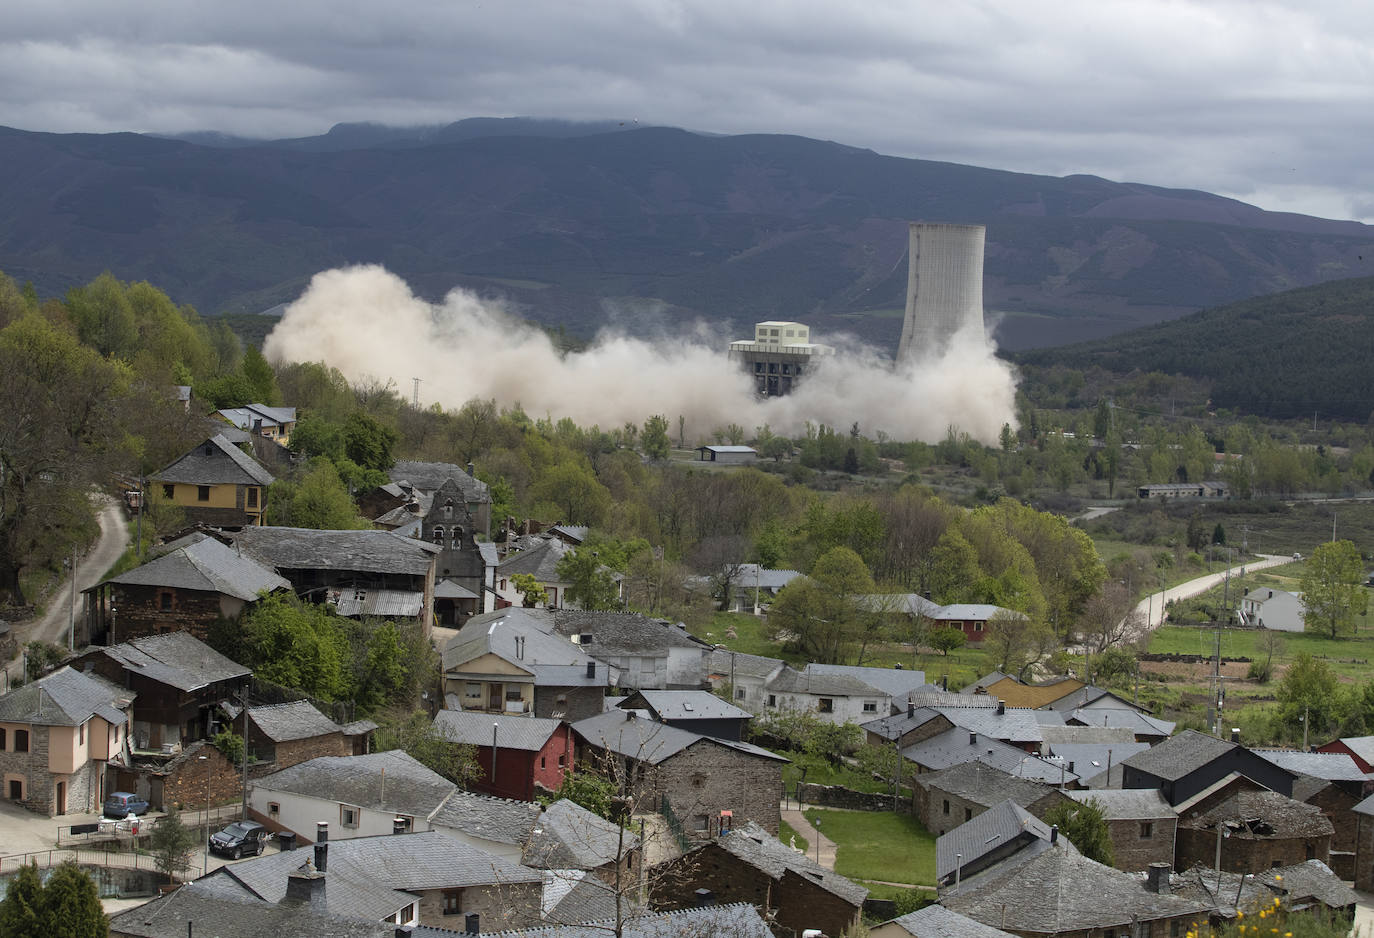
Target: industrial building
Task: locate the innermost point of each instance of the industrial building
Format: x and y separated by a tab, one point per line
944	287
778	355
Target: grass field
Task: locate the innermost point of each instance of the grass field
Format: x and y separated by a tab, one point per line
878	845
790	837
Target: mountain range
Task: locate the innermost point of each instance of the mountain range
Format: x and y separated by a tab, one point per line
583	224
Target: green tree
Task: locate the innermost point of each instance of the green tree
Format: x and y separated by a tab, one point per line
381	674
1218	534
317	500
369	442
821	613
171	844
230	745
654	438
945	639
1086	827
423	740
1308	692
295	644
531	593
589	789
1332	594
574	492
71	904
775	448
592	570
260	377
22	913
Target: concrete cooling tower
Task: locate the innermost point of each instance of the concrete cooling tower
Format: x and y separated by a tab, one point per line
944	290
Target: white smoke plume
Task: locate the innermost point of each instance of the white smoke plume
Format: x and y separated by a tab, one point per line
366	322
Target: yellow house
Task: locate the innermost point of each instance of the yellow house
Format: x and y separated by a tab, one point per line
57	735
216	483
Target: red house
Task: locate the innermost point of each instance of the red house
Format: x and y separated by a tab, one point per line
529	751
1359	748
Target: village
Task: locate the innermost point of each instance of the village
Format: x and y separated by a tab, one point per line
566	767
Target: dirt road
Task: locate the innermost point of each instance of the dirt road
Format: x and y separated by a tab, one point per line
53	624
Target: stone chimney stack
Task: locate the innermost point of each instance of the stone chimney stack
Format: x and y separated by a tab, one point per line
1001	708
1159	878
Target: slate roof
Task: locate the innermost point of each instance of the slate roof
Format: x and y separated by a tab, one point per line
983	784
308	549
624	633
371	877
1332	766
196	905
573	532
761	850
1063	891
936	921
285	722
751	574
912	604
745	665
791	681
737	920
177	659
1299	884
208	566
1263	815
953	747
971	612
1083	696
447	589
575	896
648	741
540	561
1362	746
1013	725
430	476
992	677
994	828
551	659
1119	804
243	417
932	696
501	820
1063	735
568	836
1179	755
66	697
214	462
1311	879
513	732
1091	760
685	705
892	681
410	788
1139	723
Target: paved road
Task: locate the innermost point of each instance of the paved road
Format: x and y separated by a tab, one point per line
1150	611
52	625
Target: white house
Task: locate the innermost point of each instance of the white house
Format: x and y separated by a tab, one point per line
835	698
1278	610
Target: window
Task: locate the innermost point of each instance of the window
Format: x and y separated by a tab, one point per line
701	823
772	332
698	781
2	739
825	705
1147	830
758	367
561	701
252	498
81	739
202	493
168	491
562	759
407	823
16	790
946	806
1145	929
870	706
977	626
472	689
543	762
1275	864
348	815
1174	929
968	814
273	809
453	901
739	693
439	535
513	693
772	700
21	740
1311	852
164	601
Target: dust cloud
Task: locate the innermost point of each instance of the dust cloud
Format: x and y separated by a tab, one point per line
366	322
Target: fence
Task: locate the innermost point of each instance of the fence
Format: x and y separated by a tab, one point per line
675	826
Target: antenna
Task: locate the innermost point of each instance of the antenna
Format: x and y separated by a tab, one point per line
415	398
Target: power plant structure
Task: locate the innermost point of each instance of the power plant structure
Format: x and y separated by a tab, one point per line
778	355
944	292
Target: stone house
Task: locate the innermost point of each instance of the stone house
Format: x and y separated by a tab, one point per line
289	733
709	784
957	745
1364	845
1257	830
696	711
423	879
538	557
1186	764
1058	892
743	675
1144	728
195	582
530	754
58	736
935	921
946	799
422	480
910	726
647	653
1142	825
834	698
1002	831
1335	784
174	914
746	863
216	483
179	684
461	568
274	423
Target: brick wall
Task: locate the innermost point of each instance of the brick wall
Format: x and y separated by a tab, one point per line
1133	851
1241	853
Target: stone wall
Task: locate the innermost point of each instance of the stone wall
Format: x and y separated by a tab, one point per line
184	779
140	612
1133	851
33	767
941	811
500	907
1364	853
296	751
707	778
580	702
837	796
1246	854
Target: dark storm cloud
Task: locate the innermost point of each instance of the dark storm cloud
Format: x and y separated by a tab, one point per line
1270	102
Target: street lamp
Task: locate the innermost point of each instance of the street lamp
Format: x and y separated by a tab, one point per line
817	825
205	861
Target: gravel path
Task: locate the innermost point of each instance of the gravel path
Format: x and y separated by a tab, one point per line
1150	611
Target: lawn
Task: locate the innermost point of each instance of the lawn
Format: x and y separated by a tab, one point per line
790	837
878	845
819	770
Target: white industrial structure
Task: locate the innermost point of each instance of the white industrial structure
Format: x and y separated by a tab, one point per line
944	291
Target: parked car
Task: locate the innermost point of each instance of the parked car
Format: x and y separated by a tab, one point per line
240	839
121	804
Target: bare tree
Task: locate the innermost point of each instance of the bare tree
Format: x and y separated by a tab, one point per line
1109	618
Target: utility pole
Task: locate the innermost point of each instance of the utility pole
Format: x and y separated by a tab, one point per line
71	610
415	397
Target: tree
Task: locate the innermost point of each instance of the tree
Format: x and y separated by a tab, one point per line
574	492
590	570
318	500
775	448
295	644
592	791
654	439
1086	827
946	639
171	844
1108	618
22	912
369	442
71	904
426	743
1218	534
1332	594
1114	663
261	379
822	612
1015	641
1308	692
528	587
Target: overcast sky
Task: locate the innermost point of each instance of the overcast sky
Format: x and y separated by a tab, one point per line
1270	102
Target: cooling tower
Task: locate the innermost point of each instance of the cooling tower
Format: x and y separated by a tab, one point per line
944	291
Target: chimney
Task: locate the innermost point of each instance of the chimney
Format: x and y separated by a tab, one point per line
973	739
629	715
1001	708
1071	772
471	471
910	707
1054	834
404	931
322	857
472	923
704	897
1235	734
1159	879
591	669
306	887
398	825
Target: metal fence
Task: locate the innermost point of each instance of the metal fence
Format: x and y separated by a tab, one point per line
675	826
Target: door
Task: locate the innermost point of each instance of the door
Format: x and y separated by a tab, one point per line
495	699
16	790
61	797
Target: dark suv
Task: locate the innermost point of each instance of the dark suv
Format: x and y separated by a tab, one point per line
121	804
240	839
